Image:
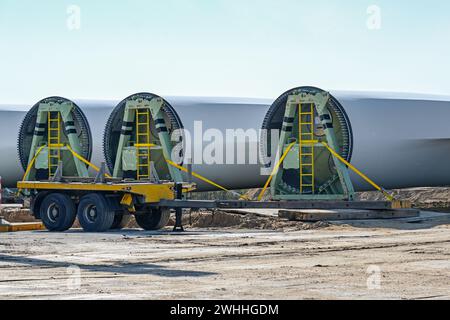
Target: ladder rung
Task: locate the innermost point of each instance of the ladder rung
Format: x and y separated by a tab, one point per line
143	143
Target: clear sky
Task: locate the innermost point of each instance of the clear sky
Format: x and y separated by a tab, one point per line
252	48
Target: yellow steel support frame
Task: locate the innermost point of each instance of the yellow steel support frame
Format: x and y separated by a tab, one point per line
143	144
306	149
53	141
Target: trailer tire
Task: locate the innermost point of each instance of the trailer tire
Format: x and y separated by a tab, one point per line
120	221
95	213
36	202
57	211
156	219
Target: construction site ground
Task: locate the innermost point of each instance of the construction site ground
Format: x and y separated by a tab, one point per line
233	256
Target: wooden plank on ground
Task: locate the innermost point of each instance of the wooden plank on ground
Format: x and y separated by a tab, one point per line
330	215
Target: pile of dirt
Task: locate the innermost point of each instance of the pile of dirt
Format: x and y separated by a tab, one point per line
253	194
223	219
421	198
14	215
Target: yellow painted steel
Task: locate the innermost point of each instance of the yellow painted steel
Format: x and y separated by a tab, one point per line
196	175
143	144
275	170
127	201
306	157
53	141
17	227
362	175
151	192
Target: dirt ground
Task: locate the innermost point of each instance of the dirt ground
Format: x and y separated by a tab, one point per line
242	257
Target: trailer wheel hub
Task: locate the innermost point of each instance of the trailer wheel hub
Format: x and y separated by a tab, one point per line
53	212
91	213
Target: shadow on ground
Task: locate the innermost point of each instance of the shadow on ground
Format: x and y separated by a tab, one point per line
118	268
427	220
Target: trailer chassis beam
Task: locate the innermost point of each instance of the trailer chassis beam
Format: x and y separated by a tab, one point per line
319	205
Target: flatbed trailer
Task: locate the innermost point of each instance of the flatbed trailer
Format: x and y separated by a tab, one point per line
100	206
109	204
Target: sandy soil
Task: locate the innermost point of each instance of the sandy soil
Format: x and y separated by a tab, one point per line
326	262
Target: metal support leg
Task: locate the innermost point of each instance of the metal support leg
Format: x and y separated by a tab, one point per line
178	211
101	175
58	177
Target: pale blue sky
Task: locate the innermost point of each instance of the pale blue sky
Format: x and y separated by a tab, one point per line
254	48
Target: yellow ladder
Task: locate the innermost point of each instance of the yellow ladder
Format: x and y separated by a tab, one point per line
143	143
53	141
306	148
